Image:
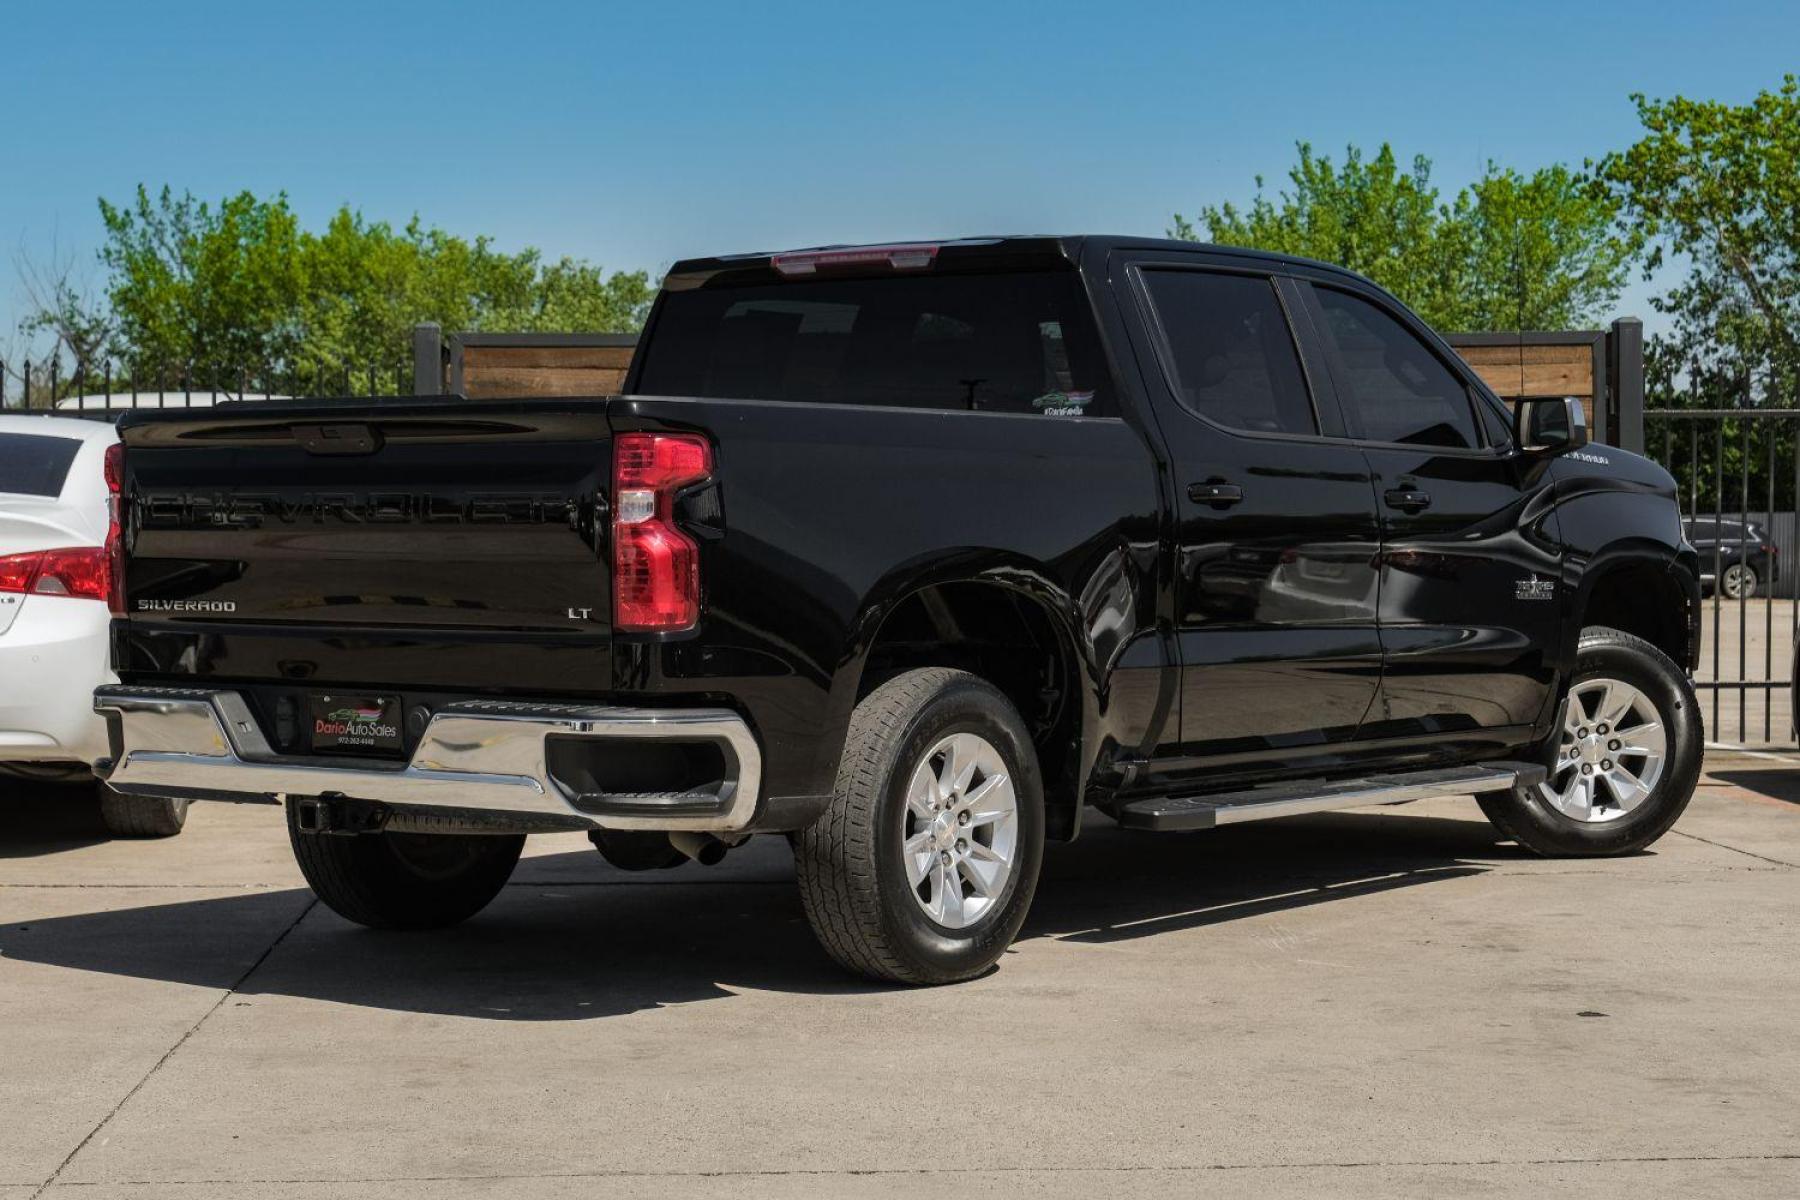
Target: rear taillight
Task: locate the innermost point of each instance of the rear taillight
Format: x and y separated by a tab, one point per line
656	567
19	571
82	571
114	591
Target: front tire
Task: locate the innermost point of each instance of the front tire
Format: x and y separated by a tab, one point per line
1627	757
922	868
405	880
141	816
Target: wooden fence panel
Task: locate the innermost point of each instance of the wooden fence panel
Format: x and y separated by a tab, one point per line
543	370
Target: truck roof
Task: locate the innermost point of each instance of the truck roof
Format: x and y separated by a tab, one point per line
1007	249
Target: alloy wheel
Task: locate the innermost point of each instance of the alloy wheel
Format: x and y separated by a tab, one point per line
961	833
1740	581
1611	755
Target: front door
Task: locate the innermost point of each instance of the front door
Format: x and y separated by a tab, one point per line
1470	559
1276	532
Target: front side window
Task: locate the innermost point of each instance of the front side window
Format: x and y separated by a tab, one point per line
1018	343
1400	390
1234	356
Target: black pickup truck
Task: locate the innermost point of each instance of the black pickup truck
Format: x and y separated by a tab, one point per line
911	553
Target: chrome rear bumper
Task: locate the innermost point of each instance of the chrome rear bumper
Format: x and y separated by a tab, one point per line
477	756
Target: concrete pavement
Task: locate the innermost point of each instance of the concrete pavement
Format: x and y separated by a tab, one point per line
1750	639
1385	1002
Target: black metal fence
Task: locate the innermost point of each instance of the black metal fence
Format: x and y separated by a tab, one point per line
112	387
1738	472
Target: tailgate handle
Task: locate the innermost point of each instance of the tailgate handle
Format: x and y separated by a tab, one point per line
337	439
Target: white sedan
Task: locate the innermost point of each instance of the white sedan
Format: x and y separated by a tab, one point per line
59	580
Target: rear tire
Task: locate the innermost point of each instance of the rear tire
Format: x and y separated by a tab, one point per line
903	878
405	880
141	816
1741	581
1536	818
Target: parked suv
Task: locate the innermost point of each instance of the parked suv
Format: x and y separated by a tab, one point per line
911	554
1737	557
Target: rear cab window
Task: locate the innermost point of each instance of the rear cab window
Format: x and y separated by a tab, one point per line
1012	342
34	464
1231	351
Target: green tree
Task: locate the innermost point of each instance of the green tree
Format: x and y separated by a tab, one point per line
214	287
570	294
1715	188
1541	251
1510	251
1373	217
241	287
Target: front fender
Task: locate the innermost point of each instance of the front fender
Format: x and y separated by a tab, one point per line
1625	516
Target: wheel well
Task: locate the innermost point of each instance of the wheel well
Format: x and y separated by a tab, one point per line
1641	599
1009	639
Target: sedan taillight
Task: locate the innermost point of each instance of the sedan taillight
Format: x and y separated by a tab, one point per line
83	571
19	571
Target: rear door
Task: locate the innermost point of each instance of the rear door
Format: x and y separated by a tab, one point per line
1470	560
1276	531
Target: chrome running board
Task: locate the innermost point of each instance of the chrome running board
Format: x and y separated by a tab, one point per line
1167	813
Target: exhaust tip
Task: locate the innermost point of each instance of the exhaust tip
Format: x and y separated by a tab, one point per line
702	848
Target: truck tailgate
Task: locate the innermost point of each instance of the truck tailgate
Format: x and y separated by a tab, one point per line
439	531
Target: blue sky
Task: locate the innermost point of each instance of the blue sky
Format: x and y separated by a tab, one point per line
635	134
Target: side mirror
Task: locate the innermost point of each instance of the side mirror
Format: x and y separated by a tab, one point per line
1549	426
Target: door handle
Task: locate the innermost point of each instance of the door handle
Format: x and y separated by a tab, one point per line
1408	499
1215	493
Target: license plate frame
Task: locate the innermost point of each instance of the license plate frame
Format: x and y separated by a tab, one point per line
355	723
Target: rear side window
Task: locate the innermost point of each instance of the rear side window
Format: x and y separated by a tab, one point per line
1235	361
1729	533
1017	343
33	464
1401	390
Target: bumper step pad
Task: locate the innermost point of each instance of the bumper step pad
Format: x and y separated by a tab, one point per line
488	758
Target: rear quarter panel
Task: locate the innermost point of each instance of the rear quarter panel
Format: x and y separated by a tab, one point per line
834	514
